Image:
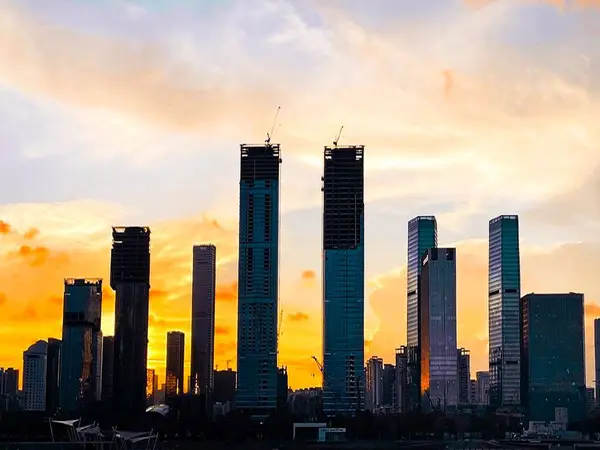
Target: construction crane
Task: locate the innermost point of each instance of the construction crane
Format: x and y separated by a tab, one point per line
270	133
337	138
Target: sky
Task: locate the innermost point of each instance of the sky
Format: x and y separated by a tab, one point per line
123	112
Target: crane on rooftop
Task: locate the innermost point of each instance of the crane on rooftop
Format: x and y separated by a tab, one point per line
270	133
337	138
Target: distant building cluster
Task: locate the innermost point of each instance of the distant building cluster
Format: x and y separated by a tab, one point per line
536	341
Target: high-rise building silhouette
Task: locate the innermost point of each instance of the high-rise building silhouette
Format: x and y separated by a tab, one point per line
224	386
343	279
130	279
9	388
463	359
597	358
82	313
439	384
175	359
34	376
258	279
374	384
108	350
401	385
504	293
53	375
553	356
483	387
204	270
422	235
150	387
389	386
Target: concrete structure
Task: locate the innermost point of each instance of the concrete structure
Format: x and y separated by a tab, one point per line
553	355
81	342
597	358
224	386
343	279
374	384
53	370
130	279
401	386
504	292
463	359
473	392
483	388
422	235
34	376
258	279
108	351
204	279
439	384
175	359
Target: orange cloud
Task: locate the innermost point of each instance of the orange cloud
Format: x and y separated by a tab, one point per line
3	298
591	309
448	82
298	317
227	293
309	275
5	228
31	234
222	330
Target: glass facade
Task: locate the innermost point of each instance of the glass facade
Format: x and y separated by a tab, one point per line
343	279
422	235
81	350
438	350
504	293
175	358
553	355
258	279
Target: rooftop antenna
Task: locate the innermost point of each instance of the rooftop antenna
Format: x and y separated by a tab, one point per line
337	138
270	134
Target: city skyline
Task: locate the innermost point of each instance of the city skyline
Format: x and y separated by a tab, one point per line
450	136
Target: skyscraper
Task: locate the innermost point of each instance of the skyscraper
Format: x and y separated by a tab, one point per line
374	384
53	375
343	279
401	385
130	279
553	356
597	358
204	270
175	358
82	313
258	279
464	375
34	376
504	293
9	388
483	388
439	386
422	235
108	351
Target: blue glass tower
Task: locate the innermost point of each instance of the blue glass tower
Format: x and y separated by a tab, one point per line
553	356
80	362
422	236
258	279
504	293
343	279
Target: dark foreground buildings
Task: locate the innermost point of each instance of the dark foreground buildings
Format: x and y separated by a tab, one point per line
343	279
204	270
258	279
553	355
108	350
130	279
175	358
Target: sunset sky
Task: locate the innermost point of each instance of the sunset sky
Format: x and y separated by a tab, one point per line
131	112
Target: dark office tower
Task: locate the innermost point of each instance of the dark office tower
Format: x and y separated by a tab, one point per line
389	382
439	386
553	355
463	358
343	279
53	375
130	279
422	235
282	387
108	349
597	358
175	358
82	313
224	388
258	279
204	270
401	385
9	388
504	293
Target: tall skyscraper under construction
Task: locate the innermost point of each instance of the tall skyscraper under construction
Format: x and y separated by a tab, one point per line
504	295
422	236
130	279
343	279
204	269
258	279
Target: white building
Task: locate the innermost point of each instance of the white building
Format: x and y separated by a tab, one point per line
34	376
